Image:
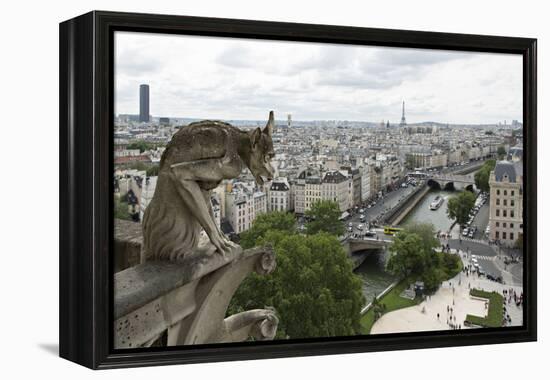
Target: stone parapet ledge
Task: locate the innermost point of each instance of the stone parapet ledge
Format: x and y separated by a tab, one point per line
128	241
188	300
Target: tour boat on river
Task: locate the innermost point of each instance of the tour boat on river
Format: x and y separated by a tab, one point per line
436	203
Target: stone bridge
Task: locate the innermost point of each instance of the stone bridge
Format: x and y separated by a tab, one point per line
355	245
452	181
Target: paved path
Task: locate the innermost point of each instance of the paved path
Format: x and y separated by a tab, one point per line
423	317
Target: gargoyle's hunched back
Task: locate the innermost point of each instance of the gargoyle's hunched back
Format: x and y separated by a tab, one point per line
198	157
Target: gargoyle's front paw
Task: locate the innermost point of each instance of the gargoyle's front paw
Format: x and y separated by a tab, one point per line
222	244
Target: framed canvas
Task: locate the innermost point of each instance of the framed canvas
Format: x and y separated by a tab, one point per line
236	189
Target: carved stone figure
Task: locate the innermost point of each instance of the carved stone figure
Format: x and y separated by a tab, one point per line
196	160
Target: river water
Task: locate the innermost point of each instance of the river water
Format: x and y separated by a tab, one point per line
422	213
372	270
375	278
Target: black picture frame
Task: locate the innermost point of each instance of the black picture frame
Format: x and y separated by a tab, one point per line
86	159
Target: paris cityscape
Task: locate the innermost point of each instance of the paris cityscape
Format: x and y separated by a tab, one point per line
379	226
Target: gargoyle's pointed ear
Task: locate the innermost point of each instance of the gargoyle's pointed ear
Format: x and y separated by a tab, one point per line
270	123
255	136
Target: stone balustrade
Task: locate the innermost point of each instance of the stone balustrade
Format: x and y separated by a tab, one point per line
177	303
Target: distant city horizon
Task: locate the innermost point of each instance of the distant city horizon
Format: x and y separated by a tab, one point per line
224	78
145	116
280	120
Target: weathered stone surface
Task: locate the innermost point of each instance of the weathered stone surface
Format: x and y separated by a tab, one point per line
136	286
181	289
128	241
189	300
197	158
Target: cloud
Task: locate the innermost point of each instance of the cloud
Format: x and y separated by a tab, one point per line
211	77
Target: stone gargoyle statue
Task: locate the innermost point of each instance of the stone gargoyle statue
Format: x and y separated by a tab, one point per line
182	289
197	159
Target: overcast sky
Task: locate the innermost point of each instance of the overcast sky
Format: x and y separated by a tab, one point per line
225	78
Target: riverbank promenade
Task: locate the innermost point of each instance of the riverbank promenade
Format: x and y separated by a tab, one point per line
454	294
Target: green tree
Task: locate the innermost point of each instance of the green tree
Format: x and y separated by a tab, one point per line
152	171
519	242
501	152
413	256
313	289
141	145
407	257
324	216
412	251
481	177
140	166
460	205
276	220
121	210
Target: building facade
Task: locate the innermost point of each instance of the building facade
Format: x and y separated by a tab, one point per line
243	205
144	103
506	202
279	196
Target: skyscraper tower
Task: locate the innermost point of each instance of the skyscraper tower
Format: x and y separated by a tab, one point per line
289	120
403	120
144	103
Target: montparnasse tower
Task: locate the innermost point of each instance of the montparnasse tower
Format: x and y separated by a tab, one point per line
403	122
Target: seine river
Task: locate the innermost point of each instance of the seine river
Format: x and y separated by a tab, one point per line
422	213
375	278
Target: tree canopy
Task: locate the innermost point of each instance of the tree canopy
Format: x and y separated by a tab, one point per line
121	209
324	216
141	145
501	152
411	251
276	220
313	289
152	171
459	206
481	177
413	255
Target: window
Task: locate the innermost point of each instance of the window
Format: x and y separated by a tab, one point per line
498	192
512	202
497	235
511	236
511	225
497	224
503	225
512	193
505	202
498	212
498	201
505	192
504	235
504	213
512	213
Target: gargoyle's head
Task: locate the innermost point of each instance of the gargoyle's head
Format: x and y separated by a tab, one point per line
262	152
